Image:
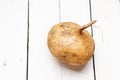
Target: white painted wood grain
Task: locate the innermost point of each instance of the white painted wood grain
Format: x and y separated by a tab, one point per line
107	53
77	11
13	27
42	65
43	15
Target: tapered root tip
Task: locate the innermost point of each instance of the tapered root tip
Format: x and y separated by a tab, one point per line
88	25
93	21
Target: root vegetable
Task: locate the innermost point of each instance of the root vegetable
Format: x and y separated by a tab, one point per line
70	43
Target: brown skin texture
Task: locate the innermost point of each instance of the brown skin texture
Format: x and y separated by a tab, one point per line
71	44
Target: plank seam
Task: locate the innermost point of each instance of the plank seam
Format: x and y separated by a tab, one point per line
27	62
59	3
59	10
94	68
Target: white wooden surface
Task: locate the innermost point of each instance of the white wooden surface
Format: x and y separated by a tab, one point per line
13	38
43	15
42	65
107	53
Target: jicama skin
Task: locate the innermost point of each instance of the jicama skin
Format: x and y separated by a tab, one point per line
71	44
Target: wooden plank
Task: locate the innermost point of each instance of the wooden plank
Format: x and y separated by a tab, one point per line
77	11
107	53
13	27
42	65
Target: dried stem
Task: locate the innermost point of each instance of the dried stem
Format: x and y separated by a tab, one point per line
87	25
